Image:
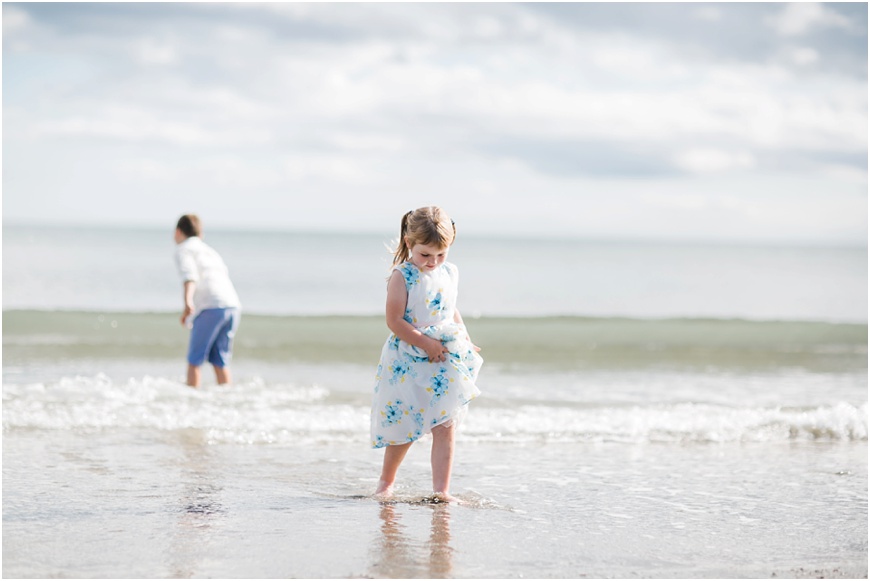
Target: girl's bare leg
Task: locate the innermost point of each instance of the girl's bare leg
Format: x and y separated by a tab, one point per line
393	456
443	438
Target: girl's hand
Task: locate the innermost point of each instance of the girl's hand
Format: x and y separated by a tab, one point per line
473	346
436	350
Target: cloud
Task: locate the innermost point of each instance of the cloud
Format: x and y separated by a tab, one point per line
152	52
14	20
713	161
803	55
709	13
476	101
134	124
567	158
799	18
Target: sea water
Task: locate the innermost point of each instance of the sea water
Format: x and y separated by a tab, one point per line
326	273
648	410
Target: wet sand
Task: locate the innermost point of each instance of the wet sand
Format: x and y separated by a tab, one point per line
140	504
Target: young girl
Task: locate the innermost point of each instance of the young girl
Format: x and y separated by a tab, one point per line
429	366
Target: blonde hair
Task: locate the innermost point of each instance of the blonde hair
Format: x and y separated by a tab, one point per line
428	225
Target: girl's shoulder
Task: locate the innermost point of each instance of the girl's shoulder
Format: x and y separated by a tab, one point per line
409	272
405	267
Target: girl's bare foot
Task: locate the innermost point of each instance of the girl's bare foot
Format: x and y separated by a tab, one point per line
445	497
384	490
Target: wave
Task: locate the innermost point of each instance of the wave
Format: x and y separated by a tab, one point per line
261	413
542	341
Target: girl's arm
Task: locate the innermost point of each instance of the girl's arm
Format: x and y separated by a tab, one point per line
397	301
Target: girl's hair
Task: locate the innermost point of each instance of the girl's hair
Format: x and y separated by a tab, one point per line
427	225
189	225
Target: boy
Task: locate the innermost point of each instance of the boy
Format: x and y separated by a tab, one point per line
210	298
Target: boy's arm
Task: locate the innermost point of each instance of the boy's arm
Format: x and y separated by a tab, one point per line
397	301
189	288
187	269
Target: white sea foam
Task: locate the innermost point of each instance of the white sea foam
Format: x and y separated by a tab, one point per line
671	424
256	412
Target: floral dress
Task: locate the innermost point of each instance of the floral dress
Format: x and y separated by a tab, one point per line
412	394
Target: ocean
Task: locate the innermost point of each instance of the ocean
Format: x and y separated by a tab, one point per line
649	410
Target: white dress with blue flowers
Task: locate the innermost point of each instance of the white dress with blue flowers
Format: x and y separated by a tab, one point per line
412	394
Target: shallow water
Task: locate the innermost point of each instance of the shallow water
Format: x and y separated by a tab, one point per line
579	473
139	503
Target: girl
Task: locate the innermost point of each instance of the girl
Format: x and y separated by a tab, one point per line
429	366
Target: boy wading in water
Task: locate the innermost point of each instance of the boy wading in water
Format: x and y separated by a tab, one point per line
209	298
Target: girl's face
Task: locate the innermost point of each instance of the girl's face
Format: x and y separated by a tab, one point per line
427	257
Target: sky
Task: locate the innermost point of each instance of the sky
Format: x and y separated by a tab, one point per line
734	122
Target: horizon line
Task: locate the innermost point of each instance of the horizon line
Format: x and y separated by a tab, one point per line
526	235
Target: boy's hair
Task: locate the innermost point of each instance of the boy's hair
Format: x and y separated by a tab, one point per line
428	225
189	225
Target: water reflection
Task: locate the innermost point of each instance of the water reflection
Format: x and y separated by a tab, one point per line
198	506
440	551
398	556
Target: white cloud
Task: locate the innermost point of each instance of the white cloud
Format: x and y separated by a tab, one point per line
149	51
804	55
708	13
846	174
19	30
487	27
373	103
131	124
798	18
146	169
367	142
230	174
635	60
14	19
713	161
334	168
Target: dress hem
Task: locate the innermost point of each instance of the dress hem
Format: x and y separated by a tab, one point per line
449	418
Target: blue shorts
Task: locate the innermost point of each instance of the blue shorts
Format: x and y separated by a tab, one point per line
212	337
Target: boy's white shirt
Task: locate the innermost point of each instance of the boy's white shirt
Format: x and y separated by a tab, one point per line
200	263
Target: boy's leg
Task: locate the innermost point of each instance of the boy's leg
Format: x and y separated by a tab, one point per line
193	375
393	456
443	438
206	327
222	346
223	375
